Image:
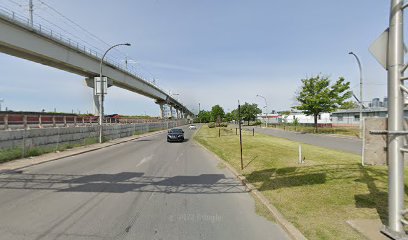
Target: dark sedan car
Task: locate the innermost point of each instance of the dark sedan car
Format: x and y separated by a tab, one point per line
175	135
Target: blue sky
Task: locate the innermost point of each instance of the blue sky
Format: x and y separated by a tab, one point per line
210	52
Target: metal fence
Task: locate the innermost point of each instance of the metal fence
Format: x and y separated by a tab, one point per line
30	121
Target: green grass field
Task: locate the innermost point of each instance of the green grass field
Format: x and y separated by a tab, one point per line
319	196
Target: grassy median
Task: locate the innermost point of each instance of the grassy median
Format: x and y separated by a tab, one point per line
318	196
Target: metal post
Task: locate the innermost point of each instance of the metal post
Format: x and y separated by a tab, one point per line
253	131
199	109
361	93
300	154
240	134
219	132
395	120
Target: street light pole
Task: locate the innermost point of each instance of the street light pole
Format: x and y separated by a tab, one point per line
266	110
361	93
101	94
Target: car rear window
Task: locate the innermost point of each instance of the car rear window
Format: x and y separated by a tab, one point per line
176	130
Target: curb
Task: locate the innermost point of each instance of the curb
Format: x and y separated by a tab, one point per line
288	227
86	150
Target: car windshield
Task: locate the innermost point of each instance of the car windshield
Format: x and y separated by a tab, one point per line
177	130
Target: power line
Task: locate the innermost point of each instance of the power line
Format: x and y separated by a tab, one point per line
76	24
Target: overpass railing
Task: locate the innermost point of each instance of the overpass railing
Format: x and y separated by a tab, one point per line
49	33
29	121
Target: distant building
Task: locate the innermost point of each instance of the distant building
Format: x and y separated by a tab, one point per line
322	118
270	118
351	117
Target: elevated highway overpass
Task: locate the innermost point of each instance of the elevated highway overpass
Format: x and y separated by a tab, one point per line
38	44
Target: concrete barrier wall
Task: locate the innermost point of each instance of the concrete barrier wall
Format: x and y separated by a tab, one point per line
375	145
80	135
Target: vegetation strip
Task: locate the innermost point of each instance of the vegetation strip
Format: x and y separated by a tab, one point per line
318	196
274	214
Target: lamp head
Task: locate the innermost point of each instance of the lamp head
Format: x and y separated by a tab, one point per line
351	53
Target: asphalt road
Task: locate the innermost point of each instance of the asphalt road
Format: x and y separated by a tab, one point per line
143	189
345	144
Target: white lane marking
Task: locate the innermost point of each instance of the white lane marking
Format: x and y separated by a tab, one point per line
179	156
145	159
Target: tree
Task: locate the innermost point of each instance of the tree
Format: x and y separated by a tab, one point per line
350	105
229	117
249	111
204	116
317	96
217	111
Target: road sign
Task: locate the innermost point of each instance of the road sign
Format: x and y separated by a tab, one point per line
379	48
100	87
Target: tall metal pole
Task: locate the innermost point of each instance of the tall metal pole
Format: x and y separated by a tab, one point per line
395	119
31	9
266	109
199	109
240	133
102	94
361	93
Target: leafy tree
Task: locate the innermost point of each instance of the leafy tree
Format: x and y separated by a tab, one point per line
316	95
217	111
350	105
229	117
249	111
204	116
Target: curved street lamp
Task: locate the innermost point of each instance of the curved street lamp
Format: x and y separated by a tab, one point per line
361	93
266	110
101	95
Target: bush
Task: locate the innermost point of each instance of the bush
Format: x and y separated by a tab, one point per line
211	125
224	124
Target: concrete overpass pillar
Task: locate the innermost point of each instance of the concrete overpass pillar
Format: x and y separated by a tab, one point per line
171	111
90	83
161	110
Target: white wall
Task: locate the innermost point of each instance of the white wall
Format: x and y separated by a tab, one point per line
303	119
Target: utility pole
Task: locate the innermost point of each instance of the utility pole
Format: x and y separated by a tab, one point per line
31	10
199	109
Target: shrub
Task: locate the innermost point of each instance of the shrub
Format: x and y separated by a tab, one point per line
224	124
211	125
